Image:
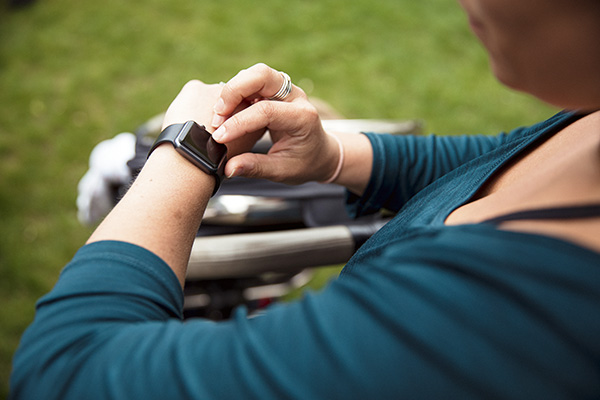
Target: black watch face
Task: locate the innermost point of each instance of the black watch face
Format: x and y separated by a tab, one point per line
200	142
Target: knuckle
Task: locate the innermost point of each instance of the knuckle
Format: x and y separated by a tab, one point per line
234	124
244	73
267	109
261	68
309	112
230	94
227	91
254	169
262	71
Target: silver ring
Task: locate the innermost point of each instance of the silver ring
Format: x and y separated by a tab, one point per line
285	89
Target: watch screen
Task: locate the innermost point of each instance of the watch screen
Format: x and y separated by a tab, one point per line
199	141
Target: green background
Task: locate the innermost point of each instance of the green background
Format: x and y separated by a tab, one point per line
73	73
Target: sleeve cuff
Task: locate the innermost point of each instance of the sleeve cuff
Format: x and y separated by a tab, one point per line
377	191
125	270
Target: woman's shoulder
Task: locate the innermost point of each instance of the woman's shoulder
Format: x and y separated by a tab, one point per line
551	125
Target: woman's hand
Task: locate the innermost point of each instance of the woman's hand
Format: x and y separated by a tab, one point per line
194	102
301	150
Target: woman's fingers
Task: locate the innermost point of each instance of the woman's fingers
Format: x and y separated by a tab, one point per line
276	116
301	150
258	82
248	165
274	167
248	120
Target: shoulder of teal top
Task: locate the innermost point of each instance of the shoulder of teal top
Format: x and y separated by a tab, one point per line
405	164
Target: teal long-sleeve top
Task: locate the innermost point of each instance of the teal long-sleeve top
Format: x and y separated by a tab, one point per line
422	311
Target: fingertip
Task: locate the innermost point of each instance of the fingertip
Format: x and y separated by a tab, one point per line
219	107
219	134
234	167
217	120
235	171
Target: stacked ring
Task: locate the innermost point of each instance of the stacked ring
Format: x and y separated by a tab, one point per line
285	89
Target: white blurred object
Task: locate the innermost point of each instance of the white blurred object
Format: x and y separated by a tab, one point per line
108	168
394	127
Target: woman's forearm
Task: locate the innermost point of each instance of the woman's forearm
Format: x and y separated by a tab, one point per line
162	210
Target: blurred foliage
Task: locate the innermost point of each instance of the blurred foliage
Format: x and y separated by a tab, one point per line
74	73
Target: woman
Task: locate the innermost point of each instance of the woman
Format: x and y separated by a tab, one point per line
485	285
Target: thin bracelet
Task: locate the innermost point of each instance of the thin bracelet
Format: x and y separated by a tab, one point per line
338	169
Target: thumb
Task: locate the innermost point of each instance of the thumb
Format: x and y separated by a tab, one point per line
261	166
247	165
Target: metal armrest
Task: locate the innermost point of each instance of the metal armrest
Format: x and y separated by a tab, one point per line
250	254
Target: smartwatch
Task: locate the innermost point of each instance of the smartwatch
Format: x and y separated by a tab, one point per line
196	144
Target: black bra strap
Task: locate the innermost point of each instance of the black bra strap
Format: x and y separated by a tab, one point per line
572	212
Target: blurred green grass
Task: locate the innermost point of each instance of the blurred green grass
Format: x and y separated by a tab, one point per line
74	73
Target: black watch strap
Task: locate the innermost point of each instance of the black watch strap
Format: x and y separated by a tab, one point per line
170	134
167	135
